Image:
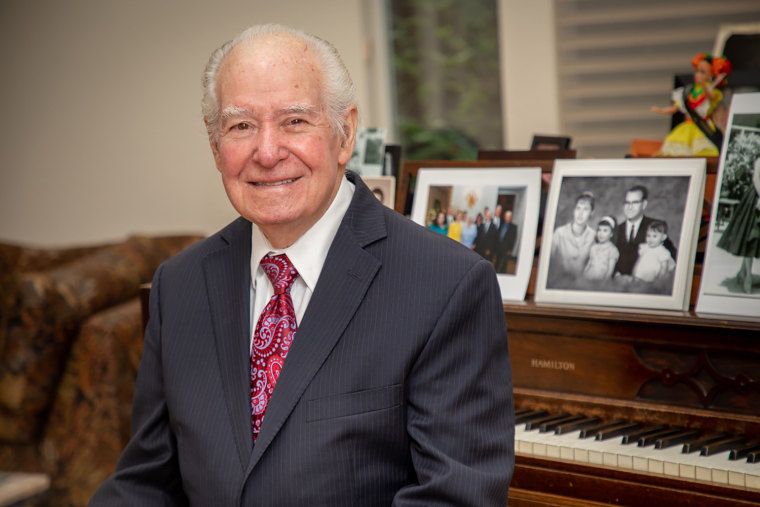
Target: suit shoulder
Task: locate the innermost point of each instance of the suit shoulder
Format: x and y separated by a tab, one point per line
419	241
195	253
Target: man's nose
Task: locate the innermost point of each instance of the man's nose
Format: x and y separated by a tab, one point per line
270	148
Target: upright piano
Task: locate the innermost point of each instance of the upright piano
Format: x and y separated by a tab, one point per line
671	377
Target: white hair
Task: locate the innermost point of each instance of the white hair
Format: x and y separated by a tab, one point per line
338	91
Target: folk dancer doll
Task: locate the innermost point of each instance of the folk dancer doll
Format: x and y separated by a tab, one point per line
697	135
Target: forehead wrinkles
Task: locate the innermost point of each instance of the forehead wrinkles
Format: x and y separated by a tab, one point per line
271	55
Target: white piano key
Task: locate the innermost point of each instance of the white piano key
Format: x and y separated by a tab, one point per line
671	458
752	481
720	476
669	462
736	478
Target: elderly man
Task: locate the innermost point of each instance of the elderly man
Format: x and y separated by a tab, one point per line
322	349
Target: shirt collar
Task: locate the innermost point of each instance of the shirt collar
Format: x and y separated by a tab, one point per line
309	251
635	223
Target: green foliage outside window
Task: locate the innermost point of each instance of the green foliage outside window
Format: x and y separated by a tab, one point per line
446	64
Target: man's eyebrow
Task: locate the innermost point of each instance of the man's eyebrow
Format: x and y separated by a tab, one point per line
238	111
233	112
300	109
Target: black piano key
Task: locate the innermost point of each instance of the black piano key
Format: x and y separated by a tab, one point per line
753	457
676	439
536	423
616	431
696	445
719	446
651	438
552	425
634	437
591	431
522	411
743	451
576	425
533	414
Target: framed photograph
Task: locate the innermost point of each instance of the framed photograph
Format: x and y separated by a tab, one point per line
549	143
408	177
368	158
384	188
493	211
621	233
730	281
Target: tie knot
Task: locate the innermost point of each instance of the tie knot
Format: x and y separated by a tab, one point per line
280	272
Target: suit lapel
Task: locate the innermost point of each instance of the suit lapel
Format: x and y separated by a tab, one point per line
346	275
228	278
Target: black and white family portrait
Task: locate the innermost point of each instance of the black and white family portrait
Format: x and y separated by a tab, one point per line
617	234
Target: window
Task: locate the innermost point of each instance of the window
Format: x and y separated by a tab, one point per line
446	66
617	58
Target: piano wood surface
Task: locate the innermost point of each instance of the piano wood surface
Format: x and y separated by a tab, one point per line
675	368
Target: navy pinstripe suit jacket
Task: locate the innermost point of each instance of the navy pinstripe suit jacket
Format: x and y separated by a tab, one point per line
396	391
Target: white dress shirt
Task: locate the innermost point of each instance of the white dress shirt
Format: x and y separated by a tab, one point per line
307	254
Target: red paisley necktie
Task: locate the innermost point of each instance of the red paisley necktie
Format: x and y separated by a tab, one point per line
273	335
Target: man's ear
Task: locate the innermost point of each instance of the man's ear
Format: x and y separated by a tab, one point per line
349	137
644	204
214	143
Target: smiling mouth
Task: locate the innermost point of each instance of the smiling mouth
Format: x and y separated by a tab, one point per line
274	183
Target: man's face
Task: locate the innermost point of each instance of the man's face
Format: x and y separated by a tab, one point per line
497	212
281	163
634	205
508	216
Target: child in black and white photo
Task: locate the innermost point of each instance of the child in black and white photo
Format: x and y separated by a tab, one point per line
654	262
603	255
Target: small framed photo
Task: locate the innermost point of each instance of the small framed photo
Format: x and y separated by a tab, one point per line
384	188
368	158
550	143
730	281
491	210
621	233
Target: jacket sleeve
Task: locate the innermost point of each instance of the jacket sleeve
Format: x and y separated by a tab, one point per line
147	472
460	405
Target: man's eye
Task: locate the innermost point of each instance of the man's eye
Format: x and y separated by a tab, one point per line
241	126
296	121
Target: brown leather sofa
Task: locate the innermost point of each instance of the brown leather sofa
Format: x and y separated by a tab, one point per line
70	344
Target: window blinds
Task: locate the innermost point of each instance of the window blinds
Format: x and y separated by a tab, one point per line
616	59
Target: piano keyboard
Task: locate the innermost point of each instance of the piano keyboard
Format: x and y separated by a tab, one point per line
662	450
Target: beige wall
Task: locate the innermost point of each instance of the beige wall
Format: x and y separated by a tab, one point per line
528	71
102	135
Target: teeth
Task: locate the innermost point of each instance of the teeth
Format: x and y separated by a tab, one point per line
273	184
